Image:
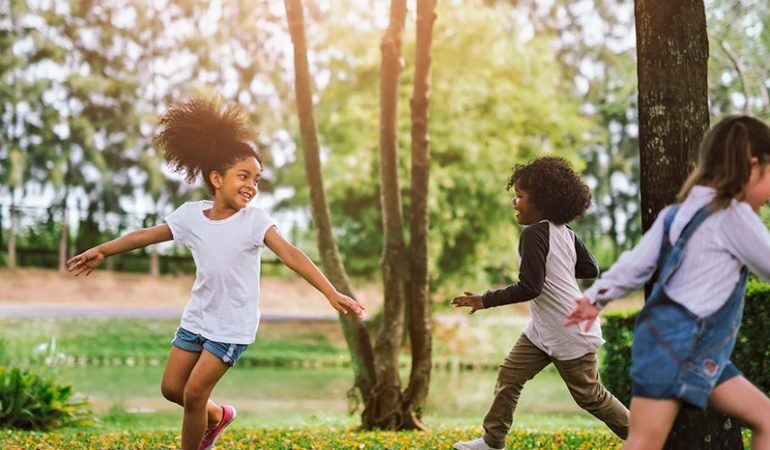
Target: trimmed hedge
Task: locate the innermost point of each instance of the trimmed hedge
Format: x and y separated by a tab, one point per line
751	354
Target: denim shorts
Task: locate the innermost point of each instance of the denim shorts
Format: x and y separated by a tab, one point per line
674	356
193	342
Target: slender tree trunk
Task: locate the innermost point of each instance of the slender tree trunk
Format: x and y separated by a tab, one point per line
11	263
63	238
388	389
419	301
355	332
672	51
154	262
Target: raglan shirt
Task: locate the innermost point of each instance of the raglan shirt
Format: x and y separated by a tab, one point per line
552	257
224	305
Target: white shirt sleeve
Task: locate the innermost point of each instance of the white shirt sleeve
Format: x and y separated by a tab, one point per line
177	221
632	269
260	223
747	238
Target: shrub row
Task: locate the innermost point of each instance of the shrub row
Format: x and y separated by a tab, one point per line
751	354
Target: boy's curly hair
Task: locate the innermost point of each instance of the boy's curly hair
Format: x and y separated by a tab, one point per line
202	134
554	188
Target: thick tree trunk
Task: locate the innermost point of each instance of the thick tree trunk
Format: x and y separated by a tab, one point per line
355	332
672	51
419	301
388	389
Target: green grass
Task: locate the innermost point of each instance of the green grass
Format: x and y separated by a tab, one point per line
135	341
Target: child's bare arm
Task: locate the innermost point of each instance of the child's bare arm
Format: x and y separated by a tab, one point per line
298	261
87	261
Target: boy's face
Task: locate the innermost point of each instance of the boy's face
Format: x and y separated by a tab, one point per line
526	212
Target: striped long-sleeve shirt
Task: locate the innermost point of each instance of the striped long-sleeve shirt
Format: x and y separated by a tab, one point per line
710	268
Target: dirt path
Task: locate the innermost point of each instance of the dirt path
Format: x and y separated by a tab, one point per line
131	294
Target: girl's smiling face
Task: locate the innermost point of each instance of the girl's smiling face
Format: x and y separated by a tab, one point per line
758	187
238	186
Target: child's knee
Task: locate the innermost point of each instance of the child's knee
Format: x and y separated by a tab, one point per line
637	441
195	395
171	393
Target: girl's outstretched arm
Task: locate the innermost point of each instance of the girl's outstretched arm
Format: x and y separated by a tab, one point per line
298	261
87	261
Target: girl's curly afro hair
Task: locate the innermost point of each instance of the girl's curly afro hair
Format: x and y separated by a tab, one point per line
202	134
554	188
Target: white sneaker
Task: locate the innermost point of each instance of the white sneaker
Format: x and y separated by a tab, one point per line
476	444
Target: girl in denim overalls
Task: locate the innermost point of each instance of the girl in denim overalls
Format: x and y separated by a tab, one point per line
202	135
698	254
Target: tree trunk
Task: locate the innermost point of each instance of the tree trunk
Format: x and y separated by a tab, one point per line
419	301
672	51
11	263
356	334
154	262
63	238
388	389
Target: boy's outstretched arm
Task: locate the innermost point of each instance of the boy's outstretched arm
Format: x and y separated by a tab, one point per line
87	261
298	261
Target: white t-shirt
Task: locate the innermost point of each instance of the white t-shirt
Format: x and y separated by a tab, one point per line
224	306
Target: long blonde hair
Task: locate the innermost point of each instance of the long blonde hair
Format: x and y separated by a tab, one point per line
725	154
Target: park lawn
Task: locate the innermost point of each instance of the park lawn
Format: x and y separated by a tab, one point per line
148	341
313	438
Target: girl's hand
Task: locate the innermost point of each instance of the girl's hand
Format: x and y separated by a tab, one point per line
469	299
584	310
343	303
85	262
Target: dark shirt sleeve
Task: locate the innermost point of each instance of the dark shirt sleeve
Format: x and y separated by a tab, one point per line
585	267
533	251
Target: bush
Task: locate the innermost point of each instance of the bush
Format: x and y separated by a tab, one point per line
618	331
751	354
752	348
31	402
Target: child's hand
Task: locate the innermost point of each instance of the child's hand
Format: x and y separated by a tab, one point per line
583	311
343	303
469	299
85	262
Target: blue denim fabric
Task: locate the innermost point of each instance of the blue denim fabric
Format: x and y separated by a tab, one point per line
676	354
193	342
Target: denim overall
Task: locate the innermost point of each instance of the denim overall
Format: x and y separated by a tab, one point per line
676	354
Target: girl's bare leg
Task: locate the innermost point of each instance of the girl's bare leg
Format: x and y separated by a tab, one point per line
738	398
204	376
178	367
650	423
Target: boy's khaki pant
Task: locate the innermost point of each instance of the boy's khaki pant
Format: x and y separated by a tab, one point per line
580	375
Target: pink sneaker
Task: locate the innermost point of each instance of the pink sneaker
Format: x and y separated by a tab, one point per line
210	436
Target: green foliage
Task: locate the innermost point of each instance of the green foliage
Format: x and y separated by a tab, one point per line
752	348
496	101
751	354
618	331
32	402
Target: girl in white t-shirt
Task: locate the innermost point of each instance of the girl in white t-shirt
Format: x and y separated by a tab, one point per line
226	236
